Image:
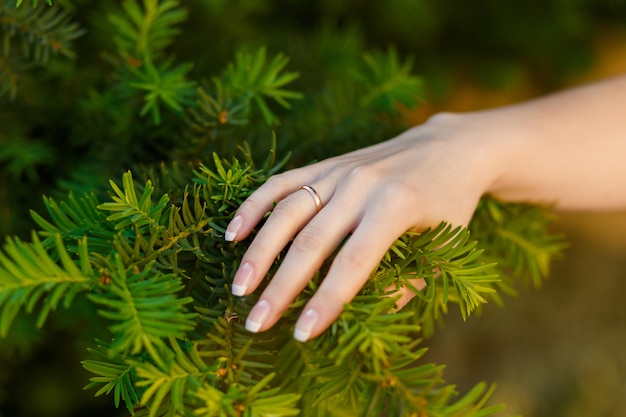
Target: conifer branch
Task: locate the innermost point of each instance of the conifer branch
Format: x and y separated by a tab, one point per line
152	257
389	82
216	108
43	31
523	231
253	78
255	401
114	373
367	352
143	306
75	218
170	377
165	85
30	275
144	31
128	208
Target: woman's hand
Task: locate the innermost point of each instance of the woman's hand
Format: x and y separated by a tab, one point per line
567	149
428	174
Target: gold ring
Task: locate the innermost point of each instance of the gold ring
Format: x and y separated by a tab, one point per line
315	195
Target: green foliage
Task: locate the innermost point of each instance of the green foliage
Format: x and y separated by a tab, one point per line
144	32
251	77
22	157
390	82
148	254
35	2
41	31
31	274
163	85
144	307
178	344
142	35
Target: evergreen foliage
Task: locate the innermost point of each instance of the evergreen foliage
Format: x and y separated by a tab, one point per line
148	252
159	270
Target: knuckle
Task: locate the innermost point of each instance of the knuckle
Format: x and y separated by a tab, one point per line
307	240
364	174
396	189
256	250
285	207
352	259
258	200
276	181
251	204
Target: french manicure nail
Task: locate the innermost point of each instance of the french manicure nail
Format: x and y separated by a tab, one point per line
305	325
242	279
257	316
233	228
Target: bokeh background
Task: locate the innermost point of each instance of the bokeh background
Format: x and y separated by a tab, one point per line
555	351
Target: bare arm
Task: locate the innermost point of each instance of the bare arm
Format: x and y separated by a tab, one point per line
567	149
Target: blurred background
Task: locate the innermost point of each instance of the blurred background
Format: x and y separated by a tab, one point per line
555	351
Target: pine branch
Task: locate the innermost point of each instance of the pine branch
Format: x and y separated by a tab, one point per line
74	219
43	31
472	404
367	353
31	278
143	306
450	264
216	108
254	401
154	261
146	30
163	84
389	82
252	77
519	237
143	32
228	345
128	208
170	378
114	373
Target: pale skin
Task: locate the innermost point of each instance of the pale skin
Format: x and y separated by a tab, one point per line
567	149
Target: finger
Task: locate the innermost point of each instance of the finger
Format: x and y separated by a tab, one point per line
286	220
315	242
350	270
262	200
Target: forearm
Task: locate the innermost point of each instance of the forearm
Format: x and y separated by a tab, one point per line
568	149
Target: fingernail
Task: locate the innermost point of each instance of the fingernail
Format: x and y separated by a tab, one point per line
305	325
257	316
233	228
242	279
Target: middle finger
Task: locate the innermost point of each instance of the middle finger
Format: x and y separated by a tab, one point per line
288	217
315	242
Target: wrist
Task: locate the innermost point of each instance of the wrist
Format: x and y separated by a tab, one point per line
487	143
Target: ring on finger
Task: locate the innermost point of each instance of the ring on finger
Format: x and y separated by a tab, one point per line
315	195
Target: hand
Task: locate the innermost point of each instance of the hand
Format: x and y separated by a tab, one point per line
429	174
